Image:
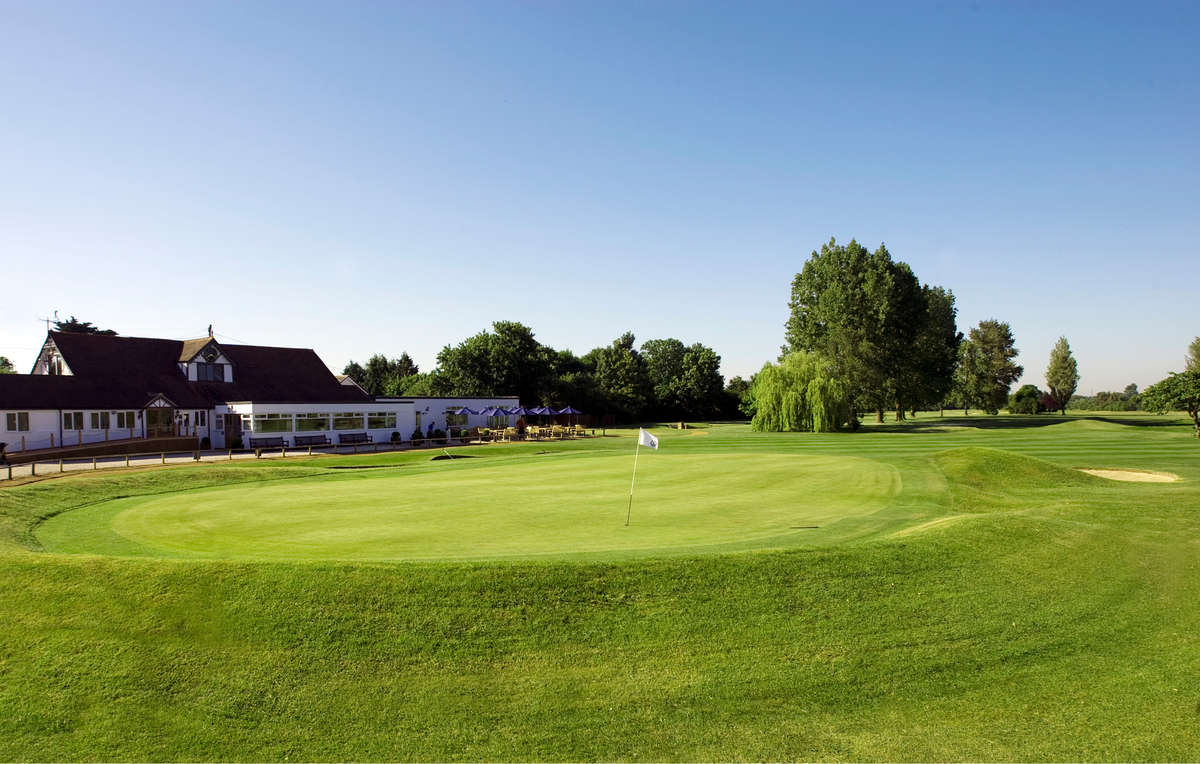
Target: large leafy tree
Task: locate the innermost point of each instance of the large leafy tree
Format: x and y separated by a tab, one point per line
6	366
1062	375
685	381
738	402
992	369
702	384
664	371
930	375
505	361
970	378
381	375
76	326
862	311
799	394
621	377
1178	392
1192	360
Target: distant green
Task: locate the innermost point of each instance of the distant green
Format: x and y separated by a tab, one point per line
968	595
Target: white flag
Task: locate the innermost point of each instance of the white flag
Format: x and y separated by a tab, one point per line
647	440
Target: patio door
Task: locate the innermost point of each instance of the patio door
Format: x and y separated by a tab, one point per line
160	422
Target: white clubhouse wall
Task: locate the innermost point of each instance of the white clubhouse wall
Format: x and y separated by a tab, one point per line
46	430
430	410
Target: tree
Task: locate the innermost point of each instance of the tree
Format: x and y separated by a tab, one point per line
1027	400
992	370
1179	391
799	394
75	326
505	361
1192	361
930	377
621	377
970	378
6	366
861	311
1062	375
664	370
404	366
737	399
354	371
685	381
701	385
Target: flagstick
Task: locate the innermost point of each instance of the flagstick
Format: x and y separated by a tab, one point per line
631	482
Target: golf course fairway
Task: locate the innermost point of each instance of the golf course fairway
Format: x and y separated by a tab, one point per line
968	592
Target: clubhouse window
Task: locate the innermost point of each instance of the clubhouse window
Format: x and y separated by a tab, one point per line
381	420
72	420
348	421
99	420
454	419
312	422
16	421
272	422
126	420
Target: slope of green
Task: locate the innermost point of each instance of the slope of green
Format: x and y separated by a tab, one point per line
997	605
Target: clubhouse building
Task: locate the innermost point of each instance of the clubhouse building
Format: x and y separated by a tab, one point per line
92	388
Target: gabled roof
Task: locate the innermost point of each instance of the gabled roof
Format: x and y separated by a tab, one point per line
125	372
192	348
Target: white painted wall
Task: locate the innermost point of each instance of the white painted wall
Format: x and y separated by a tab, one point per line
45	431
432	411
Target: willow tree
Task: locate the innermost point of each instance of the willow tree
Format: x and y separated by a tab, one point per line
799	394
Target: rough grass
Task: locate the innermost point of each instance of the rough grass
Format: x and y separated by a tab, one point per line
1055	620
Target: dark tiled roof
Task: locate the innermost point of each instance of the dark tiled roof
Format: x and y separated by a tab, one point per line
126	372
39	391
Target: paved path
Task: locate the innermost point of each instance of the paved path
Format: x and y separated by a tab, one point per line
81	464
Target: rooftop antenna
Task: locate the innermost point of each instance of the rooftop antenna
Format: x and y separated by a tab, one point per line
48	320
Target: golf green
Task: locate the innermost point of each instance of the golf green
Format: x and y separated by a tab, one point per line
551	505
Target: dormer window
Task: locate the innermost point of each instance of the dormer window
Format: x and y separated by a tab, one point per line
210	372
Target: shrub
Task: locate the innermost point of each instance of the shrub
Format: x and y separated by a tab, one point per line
1027	400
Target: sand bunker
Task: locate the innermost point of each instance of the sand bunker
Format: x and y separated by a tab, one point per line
1134	476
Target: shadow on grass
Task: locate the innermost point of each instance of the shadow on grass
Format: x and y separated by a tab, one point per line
984	421
979	422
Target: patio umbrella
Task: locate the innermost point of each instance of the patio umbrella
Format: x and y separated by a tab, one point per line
572	411
520	411
491	411
468	410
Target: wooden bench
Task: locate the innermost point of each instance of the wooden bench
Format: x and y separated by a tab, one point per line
275	442
311	440
346	438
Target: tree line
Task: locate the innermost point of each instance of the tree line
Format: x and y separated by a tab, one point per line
662	379
864	335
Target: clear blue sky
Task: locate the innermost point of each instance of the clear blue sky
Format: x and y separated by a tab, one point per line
383	177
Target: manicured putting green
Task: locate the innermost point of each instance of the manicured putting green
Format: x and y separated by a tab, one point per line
553	505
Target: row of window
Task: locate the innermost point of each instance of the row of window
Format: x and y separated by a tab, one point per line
375	420
98	420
